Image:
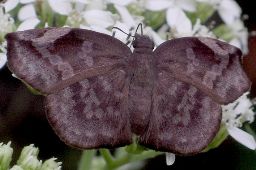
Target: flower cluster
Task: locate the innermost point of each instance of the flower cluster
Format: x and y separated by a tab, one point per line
27	161
161	19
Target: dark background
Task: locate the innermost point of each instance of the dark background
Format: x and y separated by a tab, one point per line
22	120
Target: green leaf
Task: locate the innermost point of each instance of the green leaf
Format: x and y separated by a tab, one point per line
203	12
224	32
154	19
218	139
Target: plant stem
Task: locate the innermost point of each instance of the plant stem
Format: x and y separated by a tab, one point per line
112	163
107	156
86	160
145	155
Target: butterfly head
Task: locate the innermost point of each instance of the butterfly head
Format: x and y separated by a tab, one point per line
142	41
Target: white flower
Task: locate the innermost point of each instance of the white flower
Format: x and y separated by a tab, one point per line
16	167
242	137
63	7
6	23
228	10
99	18
175	16
196	30
27	14
10	4
5	155
3	60
178	21
170	158
28	24
51	164
157	5
241	35
234	115
126	17
122	2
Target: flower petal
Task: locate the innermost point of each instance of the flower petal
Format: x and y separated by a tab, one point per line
120	35
26	1
28	24
170	158
82	1
11	4
3	59
187	5
122	2
96	4
125	15
97	29
156	38
62	7
229	11
27	11
98	18
242	137
177	19
158	5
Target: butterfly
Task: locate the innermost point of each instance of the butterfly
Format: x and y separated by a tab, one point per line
99	93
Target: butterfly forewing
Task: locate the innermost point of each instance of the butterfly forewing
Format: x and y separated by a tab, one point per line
53	58
209	64
183	119
92	113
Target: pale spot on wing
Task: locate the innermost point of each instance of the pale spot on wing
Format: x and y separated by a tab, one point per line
86	49
93	97
186	106
64	67
51	36
54	60
205	116
106	85
66	70
215	72
193	61
99	113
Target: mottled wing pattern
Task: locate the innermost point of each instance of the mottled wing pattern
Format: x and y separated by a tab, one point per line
92	113
53	58
209	64
83	75
183	119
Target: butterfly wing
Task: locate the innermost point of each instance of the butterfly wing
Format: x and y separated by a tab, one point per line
53	58
194	76
92	113
83	75
210	65
183	119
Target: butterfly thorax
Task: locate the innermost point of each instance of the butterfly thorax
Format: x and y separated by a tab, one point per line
142	69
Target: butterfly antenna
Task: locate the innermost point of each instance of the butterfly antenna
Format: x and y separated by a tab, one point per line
141	28
129	35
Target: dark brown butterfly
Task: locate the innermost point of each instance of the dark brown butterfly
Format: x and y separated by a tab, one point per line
99	93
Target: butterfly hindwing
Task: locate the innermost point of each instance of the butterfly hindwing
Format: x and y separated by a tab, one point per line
183	119
53	58
211	65
92	113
